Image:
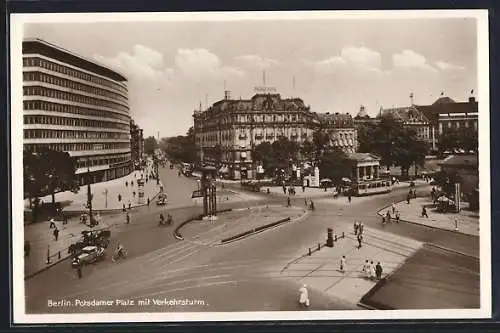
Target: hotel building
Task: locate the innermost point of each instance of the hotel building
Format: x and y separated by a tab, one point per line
76	105
229	130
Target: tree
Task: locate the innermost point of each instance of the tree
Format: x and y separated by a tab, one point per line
453	139
264	153
182	147
320	142
307	149
150	145
335	165
48	172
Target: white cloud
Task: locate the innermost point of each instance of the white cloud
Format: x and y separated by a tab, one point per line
200	63
356	59
410	60
143	63
257	61
446	66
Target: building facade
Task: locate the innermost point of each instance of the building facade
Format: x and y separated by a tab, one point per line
445	115
76	105
411	118
136	144
232	128
341	130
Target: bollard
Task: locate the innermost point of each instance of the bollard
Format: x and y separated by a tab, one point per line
309	251
48	254
59	255
343	235
319	246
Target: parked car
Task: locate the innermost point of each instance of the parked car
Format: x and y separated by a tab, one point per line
90	254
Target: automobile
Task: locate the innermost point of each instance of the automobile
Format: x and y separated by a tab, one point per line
88	255
162	200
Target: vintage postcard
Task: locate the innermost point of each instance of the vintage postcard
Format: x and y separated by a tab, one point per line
250	166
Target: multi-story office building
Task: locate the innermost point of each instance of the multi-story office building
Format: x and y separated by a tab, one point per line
230	129
136	144
76	105
340	129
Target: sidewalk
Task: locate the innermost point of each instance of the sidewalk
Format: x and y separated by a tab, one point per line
468	222
105	194
321	270
44	245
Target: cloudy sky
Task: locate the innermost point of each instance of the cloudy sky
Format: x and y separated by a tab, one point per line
337	65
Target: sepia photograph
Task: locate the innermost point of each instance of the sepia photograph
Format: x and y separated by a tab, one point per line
229	166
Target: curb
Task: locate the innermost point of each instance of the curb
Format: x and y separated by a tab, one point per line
424	225
27	277
176	232
254	231
451	250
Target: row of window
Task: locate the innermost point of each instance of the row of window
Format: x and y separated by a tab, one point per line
250	118
56	107
51	134
65	83
50	120
75	146
53	93
460	124
72	72
102	160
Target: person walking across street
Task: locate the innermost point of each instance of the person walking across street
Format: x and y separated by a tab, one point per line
288	202
424	212
397	216
355	228
342	264
349	198
360	240
366	269
372	270
56	234
303	296
393	208
388	217
378	271
127	218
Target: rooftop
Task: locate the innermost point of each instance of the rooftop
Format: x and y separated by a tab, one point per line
363	157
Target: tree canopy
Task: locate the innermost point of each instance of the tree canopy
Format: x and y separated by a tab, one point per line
452	139
181	147
150	144
49	171
334	164
396	144
276	155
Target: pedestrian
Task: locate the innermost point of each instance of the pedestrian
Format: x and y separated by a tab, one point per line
126	183
148	201
288	203
268	191
372	270
128	218
305	202
124	209
349	198
361	228
355	228
312	205
424	212
388	216
119	197
303	296
79	270
393	208
378	271
456	223
303	188
342	264
284	189
414	194
366	269
27	249
397	216
408	197
132	183
129	205
360	240
56	234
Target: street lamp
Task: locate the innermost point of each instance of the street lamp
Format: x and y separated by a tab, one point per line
89	192
106	194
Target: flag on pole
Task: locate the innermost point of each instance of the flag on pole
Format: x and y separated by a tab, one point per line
472	91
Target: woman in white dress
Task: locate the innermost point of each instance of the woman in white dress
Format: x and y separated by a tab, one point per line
304	296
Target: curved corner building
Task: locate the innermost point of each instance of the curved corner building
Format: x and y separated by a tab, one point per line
76	105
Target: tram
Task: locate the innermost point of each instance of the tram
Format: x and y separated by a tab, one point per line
370	187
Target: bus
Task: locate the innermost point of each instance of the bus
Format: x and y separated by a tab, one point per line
371	187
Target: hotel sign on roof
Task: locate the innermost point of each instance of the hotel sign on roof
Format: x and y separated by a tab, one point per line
265	90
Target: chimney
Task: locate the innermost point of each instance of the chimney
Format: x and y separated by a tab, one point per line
227	95
472	99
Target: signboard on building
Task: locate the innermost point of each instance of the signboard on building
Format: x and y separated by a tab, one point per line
265	90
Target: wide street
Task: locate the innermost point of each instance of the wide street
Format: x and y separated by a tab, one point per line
243	275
